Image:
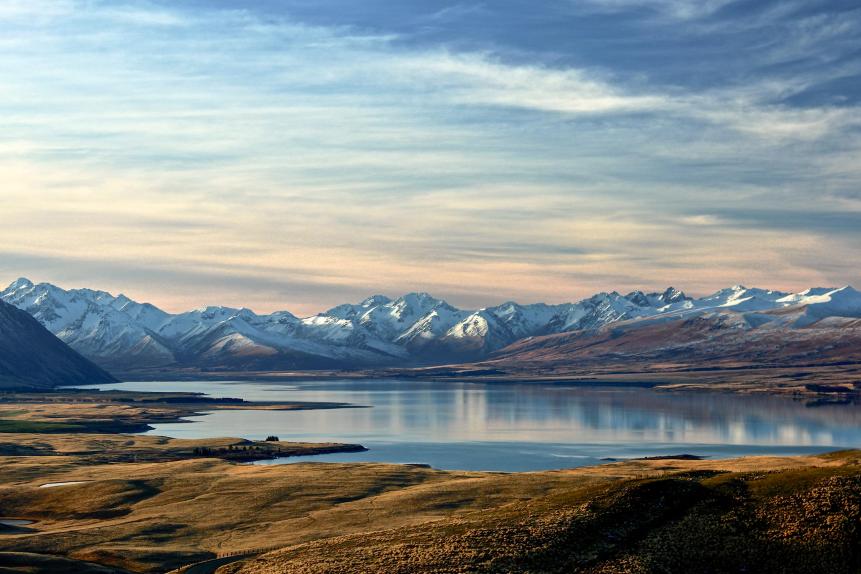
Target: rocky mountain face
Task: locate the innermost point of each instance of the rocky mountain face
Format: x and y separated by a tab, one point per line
415	329
33	358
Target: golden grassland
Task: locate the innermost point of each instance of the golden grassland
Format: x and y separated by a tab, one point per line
747	515
640	516
149	504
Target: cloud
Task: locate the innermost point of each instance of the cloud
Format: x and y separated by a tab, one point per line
478	80
20	9
676	9
206	144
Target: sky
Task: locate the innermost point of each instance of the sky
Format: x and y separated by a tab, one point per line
297	154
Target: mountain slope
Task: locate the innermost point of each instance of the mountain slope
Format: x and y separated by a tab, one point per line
813	329
112	331
31	357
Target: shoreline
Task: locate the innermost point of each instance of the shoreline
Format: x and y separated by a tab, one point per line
117	411
829	383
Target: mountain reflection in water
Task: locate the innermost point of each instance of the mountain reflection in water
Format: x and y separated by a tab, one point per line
516	427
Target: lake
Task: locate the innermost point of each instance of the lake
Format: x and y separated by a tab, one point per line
516	427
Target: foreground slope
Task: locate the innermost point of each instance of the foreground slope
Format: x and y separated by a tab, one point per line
32	357
707	517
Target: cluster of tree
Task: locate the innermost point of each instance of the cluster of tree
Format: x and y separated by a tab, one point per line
207	451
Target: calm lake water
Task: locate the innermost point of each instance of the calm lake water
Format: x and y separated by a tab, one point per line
516	427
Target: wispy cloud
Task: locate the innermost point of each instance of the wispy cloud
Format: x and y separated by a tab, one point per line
676	9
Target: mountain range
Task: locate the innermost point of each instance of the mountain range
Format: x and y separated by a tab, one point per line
817	327
418	329
33	358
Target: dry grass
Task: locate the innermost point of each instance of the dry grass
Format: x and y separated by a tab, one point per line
748	517
149	517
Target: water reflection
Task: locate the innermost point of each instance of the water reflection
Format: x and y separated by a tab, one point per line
520	427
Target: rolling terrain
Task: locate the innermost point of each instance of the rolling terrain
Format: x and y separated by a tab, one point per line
671	517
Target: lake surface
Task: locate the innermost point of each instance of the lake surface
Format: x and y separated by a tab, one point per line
516	427
15	522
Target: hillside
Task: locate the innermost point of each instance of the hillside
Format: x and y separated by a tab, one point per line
31	357
702	519
825	331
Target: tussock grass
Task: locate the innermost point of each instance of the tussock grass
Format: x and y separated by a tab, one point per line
797	520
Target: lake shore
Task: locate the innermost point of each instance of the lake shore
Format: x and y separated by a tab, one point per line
91	411
837	383
517	427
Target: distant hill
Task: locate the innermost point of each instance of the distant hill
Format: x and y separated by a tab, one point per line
31	357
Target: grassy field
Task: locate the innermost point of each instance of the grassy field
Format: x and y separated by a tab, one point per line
705	518
638	516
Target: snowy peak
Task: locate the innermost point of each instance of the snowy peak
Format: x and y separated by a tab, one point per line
413	304
842	302
375	300
526	320
671	295
638	298
20	283
740	298
814	291
94	323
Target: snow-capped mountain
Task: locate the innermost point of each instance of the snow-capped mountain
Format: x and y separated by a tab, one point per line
413	329
101	327
735	327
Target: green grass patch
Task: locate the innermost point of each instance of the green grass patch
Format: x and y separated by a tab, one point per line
35	427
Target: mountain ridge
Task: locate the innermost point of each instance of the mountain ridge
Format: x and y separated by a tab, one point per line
411	330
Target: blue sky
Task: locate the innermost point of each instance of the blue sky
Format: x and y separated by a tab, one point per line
296	154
